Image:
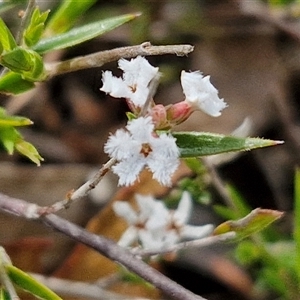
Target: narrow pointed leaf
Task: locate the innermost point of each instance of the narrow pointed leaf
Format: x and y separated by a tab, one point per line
81	34
67	14
13	83
254	222
12	140
30	284
35	28
193	144
28	150
7	120
7	40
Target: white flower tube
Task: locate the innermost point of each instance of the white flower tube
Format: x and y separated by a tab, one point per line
201	94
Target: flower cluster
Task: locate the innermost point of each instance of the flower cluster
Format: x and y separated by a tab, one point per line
154	227
138	147
142	144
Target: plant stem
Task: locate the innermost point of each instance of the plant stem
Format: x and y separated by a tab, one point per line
118	254
81	192
104	246
25	20
100	58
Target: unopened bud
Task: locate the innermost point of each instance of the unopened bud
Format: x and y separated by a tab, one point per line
179	112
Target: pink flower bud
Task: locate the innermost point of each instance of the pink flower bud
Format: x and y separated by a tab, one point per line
179	112
159	117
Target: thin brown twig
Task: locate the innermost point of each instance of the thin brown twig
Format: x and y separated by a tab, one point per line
25	20
80	193
98	59
104	246
33	211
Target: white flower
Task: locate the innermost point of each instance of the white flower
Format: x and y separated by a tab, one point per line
152	215
139	147
137	74
181	216
201	94
155	227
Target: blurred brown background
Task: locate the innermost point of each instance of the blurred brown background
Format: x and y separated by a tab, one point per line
252	55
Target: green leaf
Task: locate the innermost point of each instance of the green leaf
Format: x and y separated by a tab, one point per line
30	284
17	60
67	14
254	222
4	295
7	40
14	83
193	144
28	150
81	34
26	62
13	140
35	28
7	120
8	136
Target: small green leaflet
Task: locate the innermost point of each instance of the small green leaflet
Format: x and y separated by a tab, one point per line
12	140
28	150
7	120
13	83
7	41
24	61
35	28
